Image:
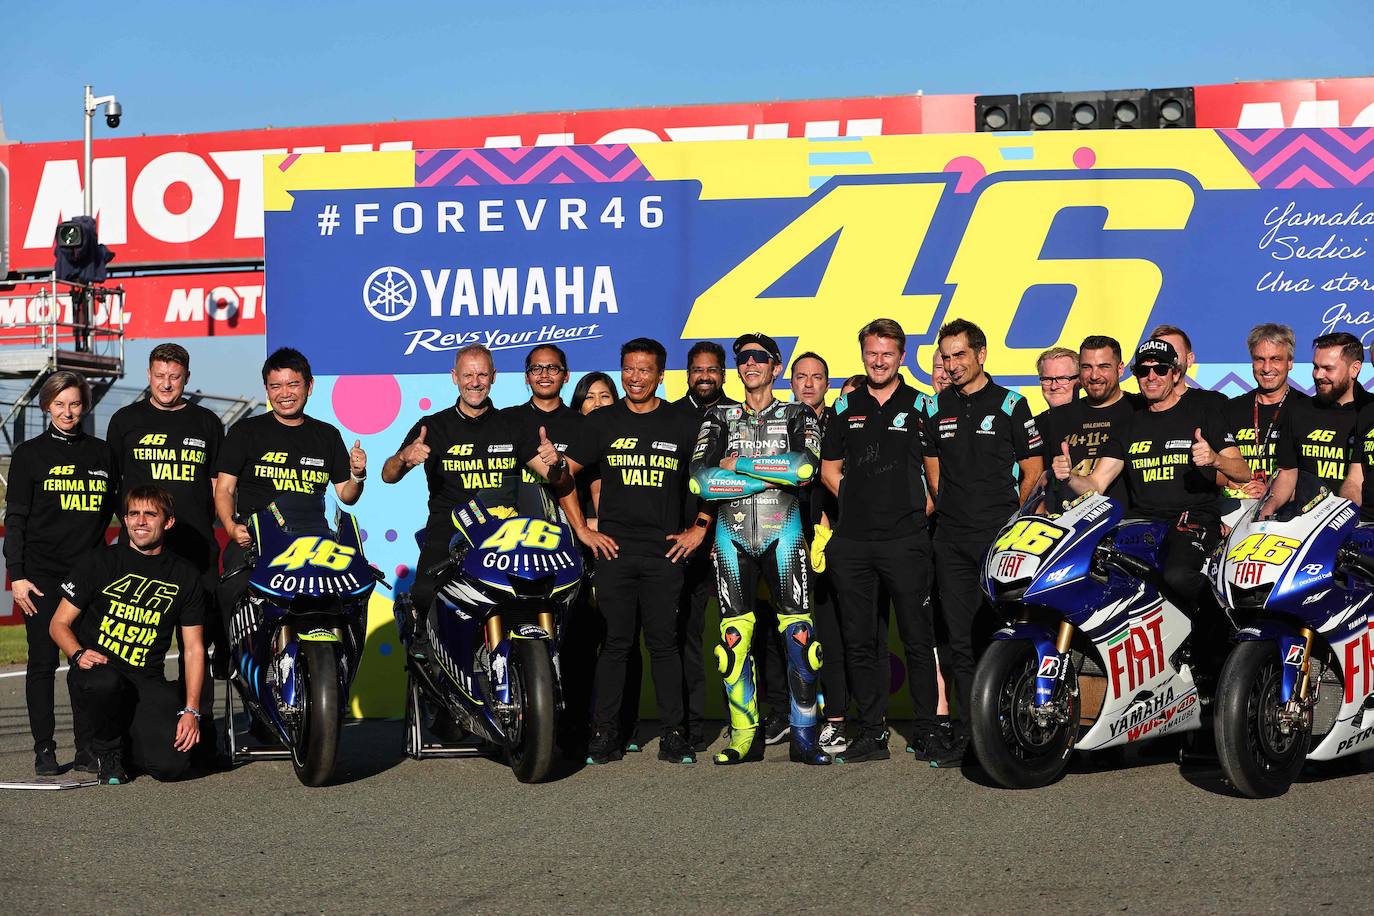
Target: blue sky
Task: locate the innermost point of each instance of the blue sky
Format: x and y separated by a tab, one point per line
182	67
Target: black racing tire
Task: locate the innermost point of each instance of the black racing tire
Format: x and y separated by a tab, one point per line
1015	751
529	748
1257	759
317	744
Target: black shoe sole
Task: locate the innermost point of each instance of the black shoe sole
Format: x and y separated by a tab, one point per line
676	758
882	754
593	760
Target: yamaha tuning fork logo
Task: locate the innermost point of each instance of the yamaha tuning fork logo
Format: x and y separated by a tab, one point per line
389	293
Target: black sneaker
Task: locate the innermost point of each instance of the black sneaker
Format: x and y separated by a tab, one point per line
866	748
955	749
112	771
603	748
776	730
86	763
934	748
674	748
45	759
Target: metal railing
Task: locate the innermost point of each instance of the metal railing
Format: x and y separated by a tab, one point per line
62	325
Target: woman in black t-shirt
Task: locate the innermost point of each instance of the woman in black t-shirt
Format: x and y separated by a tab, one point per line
58	506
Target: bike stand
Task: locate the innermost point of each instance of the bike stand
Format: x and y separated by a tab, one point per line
248	752
417	748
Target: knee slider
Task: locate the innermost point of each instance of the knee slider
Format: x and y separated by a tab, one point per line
731	654
803	649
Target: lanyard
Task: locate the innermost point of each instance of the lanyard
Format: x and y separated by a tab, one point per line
1262	474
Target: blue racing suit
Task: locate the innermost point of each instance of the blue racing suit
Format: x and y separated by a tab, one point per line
759	530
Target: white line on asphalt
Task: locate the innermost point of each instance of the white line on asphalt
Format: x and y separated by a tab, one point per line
170	655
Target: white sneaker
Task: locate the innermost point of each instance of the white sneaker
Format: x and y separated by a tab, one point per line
832	739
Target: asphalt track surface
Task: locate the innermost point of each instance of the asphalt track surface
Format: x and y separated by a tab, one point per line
396	835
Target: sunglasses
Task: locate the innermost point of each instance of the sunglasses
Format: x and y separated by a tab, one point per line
752	356
1151	369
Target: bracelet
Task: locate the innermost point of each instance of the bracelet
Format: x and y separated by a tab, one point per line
191	709
76	657
355	478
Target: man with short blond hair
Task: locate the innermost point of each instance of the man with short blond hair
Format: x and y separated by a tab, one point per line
1058	371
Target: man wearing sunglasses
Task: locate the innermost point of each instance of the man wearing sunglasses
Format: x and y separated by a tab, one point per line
543	417
1170	454
752	459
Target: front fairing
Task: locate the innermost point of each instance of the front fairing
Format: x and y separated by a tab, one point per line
304	565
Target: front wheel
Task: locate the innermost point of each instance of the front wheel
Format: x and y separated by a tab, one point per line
317	742
1257	756
529	741
1016	750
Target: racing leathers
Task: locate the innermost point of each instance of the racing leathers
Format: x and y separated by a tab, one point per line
759	531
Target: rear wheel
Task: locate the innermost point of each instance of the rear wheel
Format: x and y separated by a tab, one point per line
1016	750
529	743
1257	756
317	743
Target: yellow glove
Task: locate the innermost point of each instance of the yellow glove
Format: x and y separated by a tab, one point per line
502	512
819	538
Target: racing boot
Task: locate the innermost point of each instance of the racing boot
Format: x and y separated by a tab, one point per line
737	672
805	747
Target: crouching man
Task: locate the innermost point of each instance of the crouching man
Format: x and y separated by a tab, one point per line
121	606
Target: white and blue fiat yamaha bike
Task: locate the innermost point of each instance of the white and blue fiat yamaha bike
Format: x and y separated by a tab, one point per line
1095	655
1299	684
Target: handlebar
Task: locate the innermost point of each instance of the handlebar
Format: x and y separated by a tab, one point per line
1350	560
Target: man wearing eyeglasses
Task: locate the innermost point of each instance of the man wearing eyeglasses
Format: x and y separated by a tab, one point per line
546	370
1058	369
1170	454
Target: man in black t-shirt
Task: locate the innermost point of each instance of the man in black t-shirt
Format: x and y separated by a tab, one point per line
1358	486
1177	338
1084	426
1256	417
278	453
546	369
983	458
871	462
1170	454
120	608
164	440
705	381
642	446
1317	435
468	450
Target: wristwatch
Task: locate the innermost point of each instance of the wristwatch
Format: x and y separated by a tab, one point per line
76	656
702	522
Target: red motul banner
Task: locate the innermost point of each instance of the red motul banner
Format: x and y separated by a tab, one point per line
198	197
160	307
1287	103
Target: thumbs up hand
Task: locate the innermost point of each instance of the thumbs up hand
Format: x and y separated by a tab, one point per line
1062	464
417	452
357	459
548	453
1203	456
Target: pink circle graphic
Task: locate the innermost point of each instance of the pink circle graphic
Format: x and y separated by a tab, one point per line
402	571
970	170
425	403
1084	157
367	404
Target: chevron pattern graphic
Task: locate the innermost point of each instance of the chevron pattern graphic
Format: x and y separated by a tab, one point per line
529	165
1336	157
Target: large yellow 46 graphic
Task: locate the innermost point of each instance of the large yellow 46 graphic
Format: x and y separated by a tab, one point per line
1030	536
524	532
1264	548
316	551
882	229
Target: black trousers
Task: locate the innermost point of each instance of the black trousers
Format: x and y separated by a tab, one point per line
902	566
584	631
142	707
834	676
968	620
1187	544
698	588
233	588
635	591
40	676
769	661
438	533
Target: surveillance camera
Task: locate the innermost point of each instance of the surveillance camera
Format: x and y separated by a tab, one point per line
113	112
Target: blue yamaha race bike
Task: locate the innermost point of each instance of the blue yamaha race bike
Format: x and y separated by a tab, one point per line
1094	656
297	634
491	665
1298	685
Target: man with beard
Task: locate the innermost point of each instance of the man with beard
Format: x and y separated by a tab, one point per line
983	447
1170	454
1359	479
546	369
1316	435
705	376
1254	418
1080	428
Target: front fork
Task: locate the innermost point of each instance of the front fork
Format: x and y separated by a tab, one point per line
498	658
1053	692
1299	698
